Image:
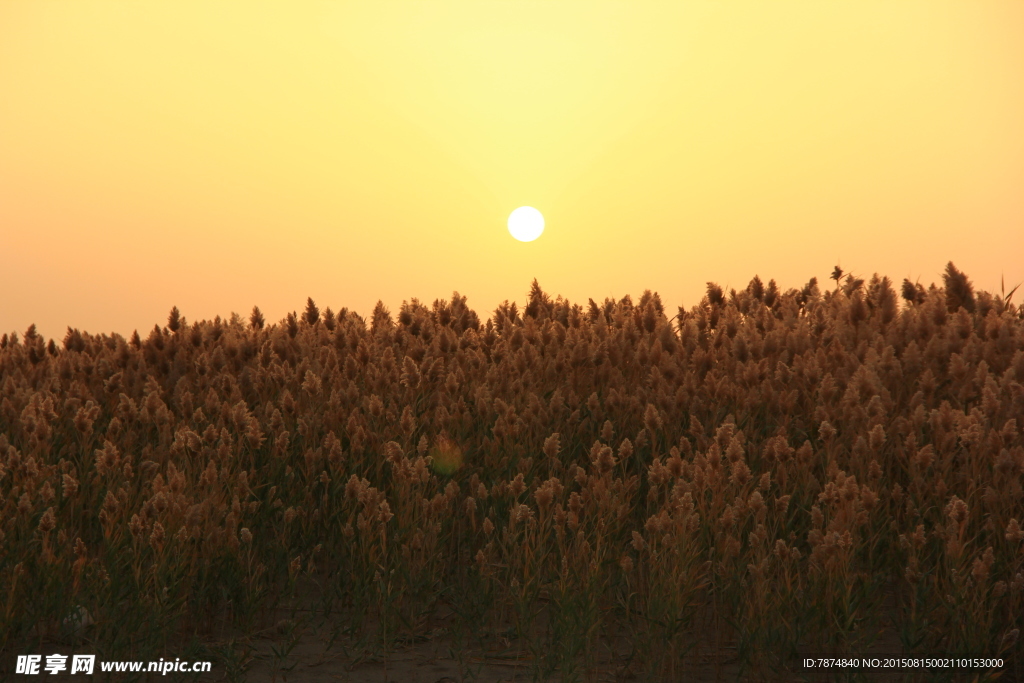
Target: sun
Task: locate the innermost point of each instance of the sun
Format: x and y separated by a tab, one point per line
526	223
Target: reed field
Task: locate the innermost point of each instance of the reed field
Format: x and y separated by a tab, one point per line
610	491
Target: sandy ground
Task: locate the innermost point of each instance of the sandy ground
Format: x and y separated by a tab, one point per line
299	648
303	655
294	652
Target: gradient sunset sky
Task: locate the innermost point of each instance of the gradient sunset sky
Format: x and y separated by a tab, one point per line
219	155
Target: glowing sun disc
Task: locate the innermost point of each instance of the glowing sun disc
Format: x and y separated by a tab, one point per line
526	223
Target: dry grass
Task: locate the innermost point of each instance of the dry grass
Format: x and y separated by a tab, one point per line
589	489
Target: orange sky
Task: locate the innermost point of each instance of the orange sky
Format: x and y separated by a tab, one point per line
219	155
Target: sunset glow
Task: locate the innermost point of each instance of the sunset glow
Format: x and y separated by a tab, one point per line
219	156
